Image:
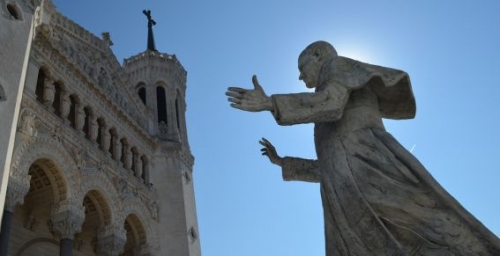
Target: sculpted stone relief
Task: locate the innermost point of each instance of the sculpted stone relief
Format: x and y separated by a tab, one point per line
377	197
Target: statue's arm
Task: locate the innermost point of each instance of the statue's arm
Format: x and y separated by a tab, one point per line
300	169
326	105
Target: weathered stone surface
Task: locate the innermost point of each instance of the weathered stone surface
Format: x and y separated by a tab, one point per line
377	197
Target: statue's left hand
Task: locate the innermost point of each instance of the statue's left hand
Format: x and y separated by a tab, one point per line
250	100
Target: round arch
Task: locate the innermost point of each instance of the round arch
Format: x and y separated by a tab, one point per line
134	206
46	147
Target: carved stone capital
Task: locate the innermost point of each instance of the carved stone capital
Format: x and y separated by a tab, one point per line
111	240
16	191
67	218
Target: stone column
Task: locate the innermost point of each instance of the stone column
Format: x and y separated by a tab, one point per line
117	149
128	159
93	128
48	92
16	191
67	218
138	165
106	139
65	106
5	232
111	240
79	117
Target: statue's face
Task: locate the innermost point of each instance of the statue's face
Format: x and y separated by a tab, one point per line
309	67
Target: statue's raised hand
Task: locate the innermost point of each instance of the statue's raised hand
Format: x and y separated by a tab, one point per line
249	100
269	151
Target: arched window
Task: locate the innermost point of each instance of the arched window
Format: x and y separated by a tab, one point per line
57	99
72	110
161	104
142	92
40	85
177	109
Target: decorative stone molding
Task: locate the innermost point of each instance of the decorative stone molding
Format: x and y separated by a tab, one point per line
67	218
45	147
97	180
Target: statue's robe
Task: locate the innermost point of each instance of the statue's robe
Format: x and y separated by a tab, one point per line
377	197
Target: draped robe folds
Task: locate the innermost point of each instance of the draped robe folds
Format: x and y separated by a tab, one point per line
377	197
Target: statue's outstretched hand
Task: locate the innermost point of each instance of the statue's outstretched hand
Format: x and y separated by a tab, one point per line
250	100
269	151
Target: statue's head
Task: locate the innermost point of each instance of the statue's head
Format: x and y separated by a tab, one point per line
312	59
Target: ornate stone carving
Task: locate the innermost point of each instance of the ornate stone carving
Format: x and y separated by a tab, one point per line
80	156
28	123
16	191
111	240
67	218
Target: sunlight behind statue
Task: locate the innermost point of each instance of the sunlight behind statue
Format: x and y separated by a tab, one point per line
377	197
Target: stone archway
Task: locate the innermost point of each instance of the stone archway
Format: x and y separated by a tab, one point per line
33	219
136	236
45	146
135	212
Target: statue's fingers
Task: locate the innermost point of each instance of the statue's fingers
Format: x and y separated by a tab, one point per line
234	100
256	84
234	94
239	106
236	89
266	141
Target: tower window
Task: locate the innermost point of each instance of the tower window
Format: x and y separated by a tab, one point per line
177	111
14	11
161	104
142	94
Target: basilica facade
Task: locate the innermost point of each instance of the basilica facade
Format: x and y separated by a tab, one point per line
95	156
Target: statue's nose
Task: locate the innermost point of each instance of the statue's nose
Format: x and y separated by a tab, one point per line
302	76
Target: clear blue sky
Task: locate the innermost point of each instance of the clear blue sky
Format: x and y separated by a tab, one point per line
449	48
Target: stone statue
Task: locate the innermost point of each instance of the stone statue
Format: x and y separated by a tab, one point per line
377	197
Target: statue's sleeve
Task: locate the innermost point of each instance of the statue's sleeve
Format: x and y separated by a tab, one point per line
321	106
300	169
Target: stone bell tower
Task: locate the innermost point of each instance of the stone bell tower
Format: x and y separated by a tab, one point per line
159	80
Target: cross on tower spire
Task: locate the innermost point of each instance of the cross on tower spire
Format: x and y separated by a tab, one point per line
151	23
